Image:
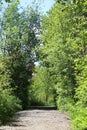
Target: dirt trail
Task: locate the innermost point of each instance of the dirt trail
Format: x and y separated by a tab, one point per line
39	120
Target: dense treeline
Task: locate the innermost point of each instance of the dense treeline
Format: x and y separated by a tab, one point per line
58	42
19	31
64	54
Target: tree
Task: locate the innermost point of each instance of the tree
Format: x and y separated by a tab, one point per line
9	104
56	51
42	89
64	52
19	41
11	1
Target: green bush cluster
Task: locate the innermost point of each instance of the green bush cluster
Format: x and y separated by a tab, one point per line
9	104
77	113
79	117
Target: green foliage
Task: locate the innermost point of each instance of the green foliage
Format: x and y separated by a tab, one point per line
18	43
65	103
4	75
81	65
41	90
61	76
11	1
19	32
7	0
56	52
9	104
64	53
79	117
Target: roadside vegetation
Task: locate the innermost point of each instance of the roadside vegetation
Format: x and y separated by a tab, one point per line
57	42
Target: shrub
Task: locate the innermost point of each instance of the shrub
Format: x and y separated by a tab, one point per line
65	103
79	117
9	104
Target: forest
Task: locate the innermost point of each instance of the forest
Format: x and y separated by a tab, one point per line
43	59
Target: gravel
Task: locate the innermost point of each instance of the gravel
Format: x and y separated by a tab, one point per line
39	120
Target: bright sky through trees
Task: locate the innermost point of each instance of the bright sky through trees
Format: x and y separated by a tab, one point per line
45	5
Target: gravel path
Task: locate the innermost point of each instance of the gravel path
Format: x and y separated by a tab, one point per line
39	120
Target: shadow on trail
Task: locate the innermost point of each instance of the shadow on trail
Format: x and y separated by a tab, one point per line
43	107
15	121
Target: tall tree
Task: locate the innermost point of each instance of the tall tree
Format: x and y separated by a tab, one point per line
56	50
64	52
19	40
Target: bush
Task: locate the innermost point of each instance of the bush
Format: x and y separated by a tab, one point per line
77	112
64	103
9	104
79	118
